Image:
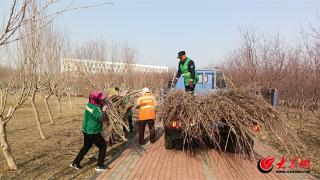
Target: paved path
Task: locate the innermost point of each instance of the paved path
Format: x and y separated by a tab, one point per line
153	161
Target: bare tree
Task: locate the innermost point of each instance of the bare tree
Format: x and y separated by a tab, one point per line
21	85
69	91
47	93
128	58
18	16
93	50
114	55
312	46
249	54
59	94
273	62
244	60
33	51
54	44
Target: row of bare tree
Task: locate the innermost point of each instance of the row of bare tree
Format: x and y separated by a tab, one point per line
115	52
36	46
269	62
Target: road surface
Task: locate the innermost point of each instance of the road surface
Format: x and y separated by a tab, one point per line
153	161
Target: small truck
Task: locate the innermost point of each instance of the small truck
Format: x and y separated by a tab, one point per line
209	81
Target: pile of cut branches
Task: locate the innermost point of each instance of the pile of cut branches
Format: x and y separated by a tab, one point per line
117	110
225	119
125	101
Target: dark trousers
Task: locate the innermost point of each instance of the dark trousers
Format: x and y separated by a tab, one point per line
130	123
189	88
142	127
90	139
129	119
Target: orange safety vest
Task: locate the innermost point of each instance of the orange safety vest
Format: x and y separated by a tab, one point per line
147	103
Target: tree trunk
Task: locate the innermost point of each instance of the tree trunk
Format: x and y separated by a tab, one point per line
1	99
301	114
70	104
48	109
318	116
12	99
59	107
286	110
5	147
36	113
301	122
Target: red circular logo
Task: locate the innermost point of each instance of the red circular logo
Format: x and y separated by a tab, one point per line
265	164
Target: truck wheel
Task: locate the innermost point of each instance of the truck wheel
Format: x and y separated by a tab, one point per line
178	144
249	146
168	141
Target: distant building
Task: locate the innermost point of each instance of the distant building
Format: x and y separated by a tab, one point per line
93	66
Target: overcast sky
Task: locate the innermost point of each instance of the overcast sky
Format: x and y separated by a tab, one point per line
206	30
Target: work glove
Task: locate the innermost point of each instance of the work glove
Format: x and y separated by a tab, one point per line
173	83
191	83
104	108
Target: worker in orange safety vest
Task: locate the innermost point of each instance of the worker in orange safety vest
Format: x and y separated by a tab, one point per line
147	115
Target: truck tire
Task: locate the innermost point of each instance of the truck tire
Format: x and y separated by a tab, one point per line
168	141
227	142
178	144
249	147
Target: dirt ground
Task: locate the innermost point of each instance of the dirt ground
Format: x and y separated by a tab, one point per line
310	136
50	158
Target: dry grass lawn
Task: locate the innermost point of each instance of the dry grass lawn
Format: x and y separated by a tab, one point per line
50	158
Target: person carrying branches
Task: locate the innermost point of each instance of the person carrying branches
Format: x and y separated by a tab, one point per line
92	125
129	113
125	104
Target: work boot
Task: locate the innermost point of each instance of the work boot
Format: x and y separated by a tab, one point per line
75	166
101	168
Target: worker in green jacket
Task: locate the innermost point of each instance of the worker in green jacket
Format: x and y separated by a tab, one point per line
187	69
94	115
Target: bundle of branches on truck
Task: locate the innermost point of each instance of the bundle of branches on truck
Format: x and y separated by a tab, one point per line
226	119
